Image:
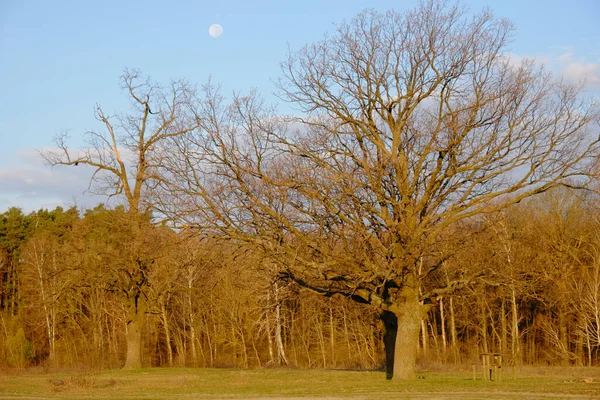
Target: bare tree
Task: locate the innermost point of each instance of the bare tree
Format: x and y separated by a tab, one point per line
412	123
125	157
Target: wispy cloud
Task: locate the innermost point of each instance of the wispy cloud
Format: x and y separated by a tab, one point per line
578	69
572	67
28	183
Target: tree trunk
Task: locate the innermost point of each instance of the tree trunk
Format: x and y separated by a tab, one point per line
193	341
484	324
48	310
165	321
579	352
504	325
453	335
192	323
424	343
589	347
133	337
390	323
321	337
12	287
331	334
347	333
443	328
563	336
281	357
514	336
268	331
407	338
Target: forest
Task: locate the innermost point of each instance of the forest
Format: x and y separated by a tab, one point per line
66	282
428	200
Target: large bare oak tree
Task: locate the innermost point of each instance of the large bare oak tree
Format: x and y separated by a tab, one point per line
411	124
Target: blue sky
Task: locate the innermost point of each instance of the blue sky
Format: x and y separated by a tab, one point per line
59	58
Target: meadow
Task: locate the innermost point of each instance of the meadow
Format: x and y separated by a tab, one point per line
186	383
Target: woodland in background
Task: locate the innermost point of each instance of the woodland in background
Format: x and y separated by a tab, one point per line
65	275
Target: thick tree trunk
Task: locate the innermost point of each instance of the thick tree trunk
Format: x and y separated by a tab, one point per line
133	337
407	338
134	345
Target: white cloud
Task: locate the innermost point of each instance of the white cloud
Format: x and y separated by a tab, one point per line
29	184
573	68
566	57
576	70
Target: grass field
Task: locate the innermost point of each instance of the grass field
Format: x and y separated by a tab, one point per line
187	383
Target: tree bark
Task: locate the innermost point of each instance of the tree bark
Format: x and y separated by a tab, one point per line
407	338
133	337
281	357
268	331
515	341
504	325
443	328
390	323
562	332
424	342
453	335
484	325
331	334
192	322
164	316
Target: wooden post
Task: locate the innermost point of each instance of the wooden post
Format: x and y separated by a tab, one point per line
492	366
498	367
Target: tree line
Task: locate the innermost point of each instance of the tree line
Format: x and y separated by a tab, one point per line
402	183
67	285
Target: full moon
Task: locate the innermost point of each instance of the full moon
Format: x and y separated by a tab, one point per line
215	30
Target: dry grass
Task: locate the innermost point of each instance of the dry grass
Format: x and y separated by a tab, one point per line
541	383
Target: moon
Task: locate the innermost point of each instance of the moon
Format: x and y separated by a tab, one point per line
215	30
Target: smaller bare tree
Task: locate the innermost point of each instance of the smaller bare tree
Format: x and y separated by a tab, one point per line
125	157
